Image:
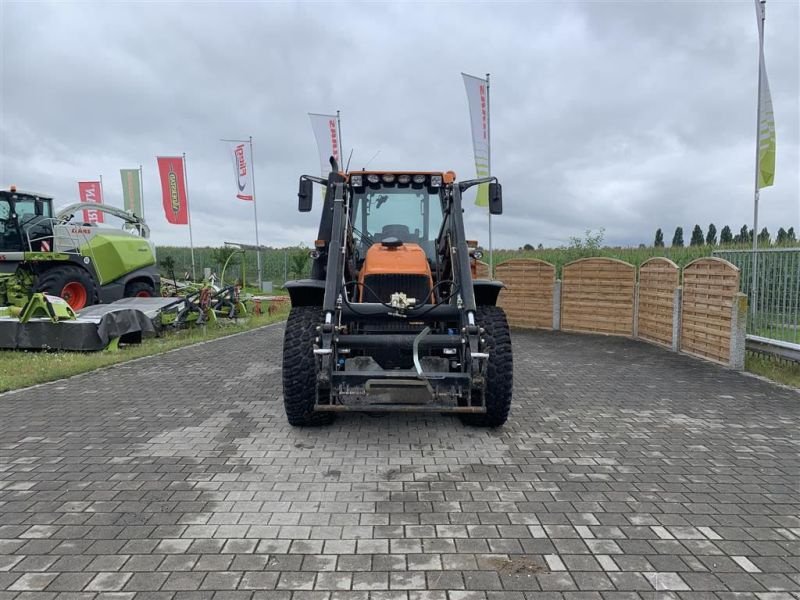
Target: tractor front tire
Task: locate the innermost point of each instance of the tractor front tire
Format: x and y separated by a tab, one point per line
73	284
499	371
140	289
299	367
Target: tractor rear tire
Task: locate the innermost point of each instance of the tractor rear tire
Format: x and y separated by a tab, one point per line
299	368
70	282
499	371
140	289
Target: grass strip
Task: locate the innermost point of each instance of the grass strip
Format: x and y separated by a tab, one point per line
20	368
782	371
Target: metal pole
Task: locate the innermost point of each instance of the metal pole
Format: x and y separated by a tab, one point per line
339	141
141	192
102	198
189	215
489	163
255	214
754	262
285	265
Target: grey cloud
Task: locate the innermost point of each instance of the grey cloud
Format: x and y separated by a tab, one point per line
628	116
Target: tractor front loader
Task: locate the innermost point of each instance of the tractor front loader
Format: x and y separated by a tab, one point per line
391	319
83	263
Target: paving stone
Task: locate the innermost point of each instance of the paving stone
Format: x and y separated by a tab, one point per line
624	469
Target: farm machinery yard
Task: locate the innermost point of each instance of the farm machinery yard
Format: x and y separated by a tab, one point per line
54	274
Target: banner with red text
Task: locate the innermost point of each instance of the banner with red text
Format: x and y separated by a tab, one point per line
477	97
327	134
173	189
91	192
242	169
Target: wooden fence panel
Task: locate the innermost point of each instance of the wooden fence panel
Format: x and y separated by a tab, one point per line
710	286
597	296
528	296
481	270
658	278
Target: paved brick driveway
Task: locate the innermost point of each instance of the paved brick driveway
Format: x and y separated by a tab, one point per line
624	470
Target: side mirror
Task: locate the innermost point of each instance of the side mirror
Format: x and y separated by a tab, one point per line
495	199
305	195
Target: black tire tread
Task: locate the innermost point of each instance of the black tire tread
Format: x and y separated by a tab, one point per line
53	280
299	367
500	370
139	286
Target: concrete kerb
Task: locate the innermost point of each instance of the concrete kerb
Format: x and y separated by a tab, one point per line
137	359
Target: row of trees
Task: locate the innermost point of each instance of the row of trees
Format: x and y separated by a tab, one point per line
726	237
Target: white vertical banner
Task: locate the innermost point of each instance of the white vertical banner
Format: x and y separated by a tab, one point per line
478	99
242	169
328	143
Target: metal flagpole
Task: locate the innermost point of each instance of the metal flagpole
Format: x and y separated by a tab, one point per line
339	130
489	163
189	215
754	262
255	214
141	193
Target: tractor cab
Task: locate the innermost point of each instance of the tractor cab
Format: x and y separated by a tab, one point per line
395	220
24	218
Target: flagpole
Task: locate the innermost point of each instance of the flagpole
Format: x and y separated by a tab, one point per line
754	263
141	192
189	215
339	142
255	213
489	163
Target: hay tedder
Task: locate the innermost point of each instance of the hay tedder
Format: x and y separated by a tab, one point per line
391	319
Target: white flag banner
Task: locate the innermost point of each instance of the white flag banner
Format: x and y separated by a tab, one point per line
242	169
328	143
477	97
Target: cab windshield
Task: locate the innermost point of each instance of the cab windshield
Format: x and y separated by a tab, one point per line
412	215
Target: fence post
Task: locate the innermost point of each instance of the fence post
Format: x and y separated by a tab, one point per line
636	310
738	331
557	305
677	315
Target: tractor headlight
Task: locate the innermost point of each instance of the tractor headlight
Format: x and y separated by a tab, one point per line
419	179
436	181
388	178
404	179
356	180
372	178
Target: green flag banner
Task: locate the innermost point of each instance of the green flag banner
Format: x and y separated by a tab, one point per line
766	134
766	118
131	191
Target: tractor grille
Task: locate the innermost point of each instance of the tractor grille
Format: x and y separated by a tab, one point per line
379	288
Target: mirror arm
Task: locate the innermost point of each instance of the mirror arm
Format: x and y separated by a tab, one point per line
315	179
465	185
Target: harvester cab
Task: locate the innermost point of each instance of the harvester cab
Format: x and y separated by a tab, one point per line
391	318
84	263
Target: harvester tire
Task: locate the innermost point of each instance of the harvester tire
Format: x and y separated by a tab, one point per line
72	283
499	371
299	367
140	289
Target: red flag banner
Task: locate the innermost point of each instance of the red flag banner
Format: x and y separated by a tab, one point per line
173	189
91	192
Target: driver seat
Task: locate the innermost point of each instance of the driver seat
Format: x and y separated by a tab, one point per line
401	232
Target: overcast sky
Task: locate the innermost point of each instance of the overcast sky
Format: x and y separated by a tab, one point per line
623	115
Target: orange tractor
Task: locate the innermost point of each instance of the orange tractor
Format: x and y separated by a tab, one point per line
391	319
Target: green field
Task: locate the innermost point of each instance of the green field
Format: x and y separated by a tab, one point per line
278	263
